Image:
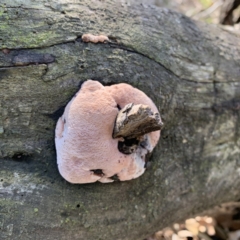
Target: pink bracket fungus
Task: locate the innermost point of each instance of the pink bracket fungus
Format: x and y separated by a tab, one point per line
104	133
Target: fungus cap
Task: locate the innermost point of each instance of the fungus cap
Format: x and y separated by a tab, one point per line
86	150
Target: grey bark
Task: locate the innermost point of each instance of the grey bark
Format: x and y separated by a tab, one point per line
191	71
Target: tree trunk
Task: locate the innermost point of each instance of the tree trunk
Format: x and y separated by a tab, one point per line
191	71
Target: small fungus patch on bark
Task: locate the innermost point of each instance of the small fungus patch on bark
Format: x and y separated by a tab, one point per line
94	39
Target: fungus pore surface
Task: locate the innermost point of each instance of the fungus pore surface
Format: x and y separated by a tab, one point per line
86	149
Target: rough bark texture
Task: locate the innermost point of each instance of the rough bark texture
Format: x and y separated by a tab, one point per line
191	71
134	121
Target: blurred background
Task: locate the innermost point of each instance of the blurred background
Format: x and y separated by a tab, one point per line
225	12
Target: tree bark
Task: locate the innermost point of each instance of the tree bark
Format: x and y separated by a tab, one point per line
133	121
191	71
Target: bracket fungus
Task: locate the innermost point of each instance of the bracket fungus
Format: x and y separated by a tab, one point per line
106	133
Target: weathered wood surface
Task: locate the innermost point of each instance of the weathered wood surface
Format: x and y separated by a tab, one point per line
133	121
191	71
